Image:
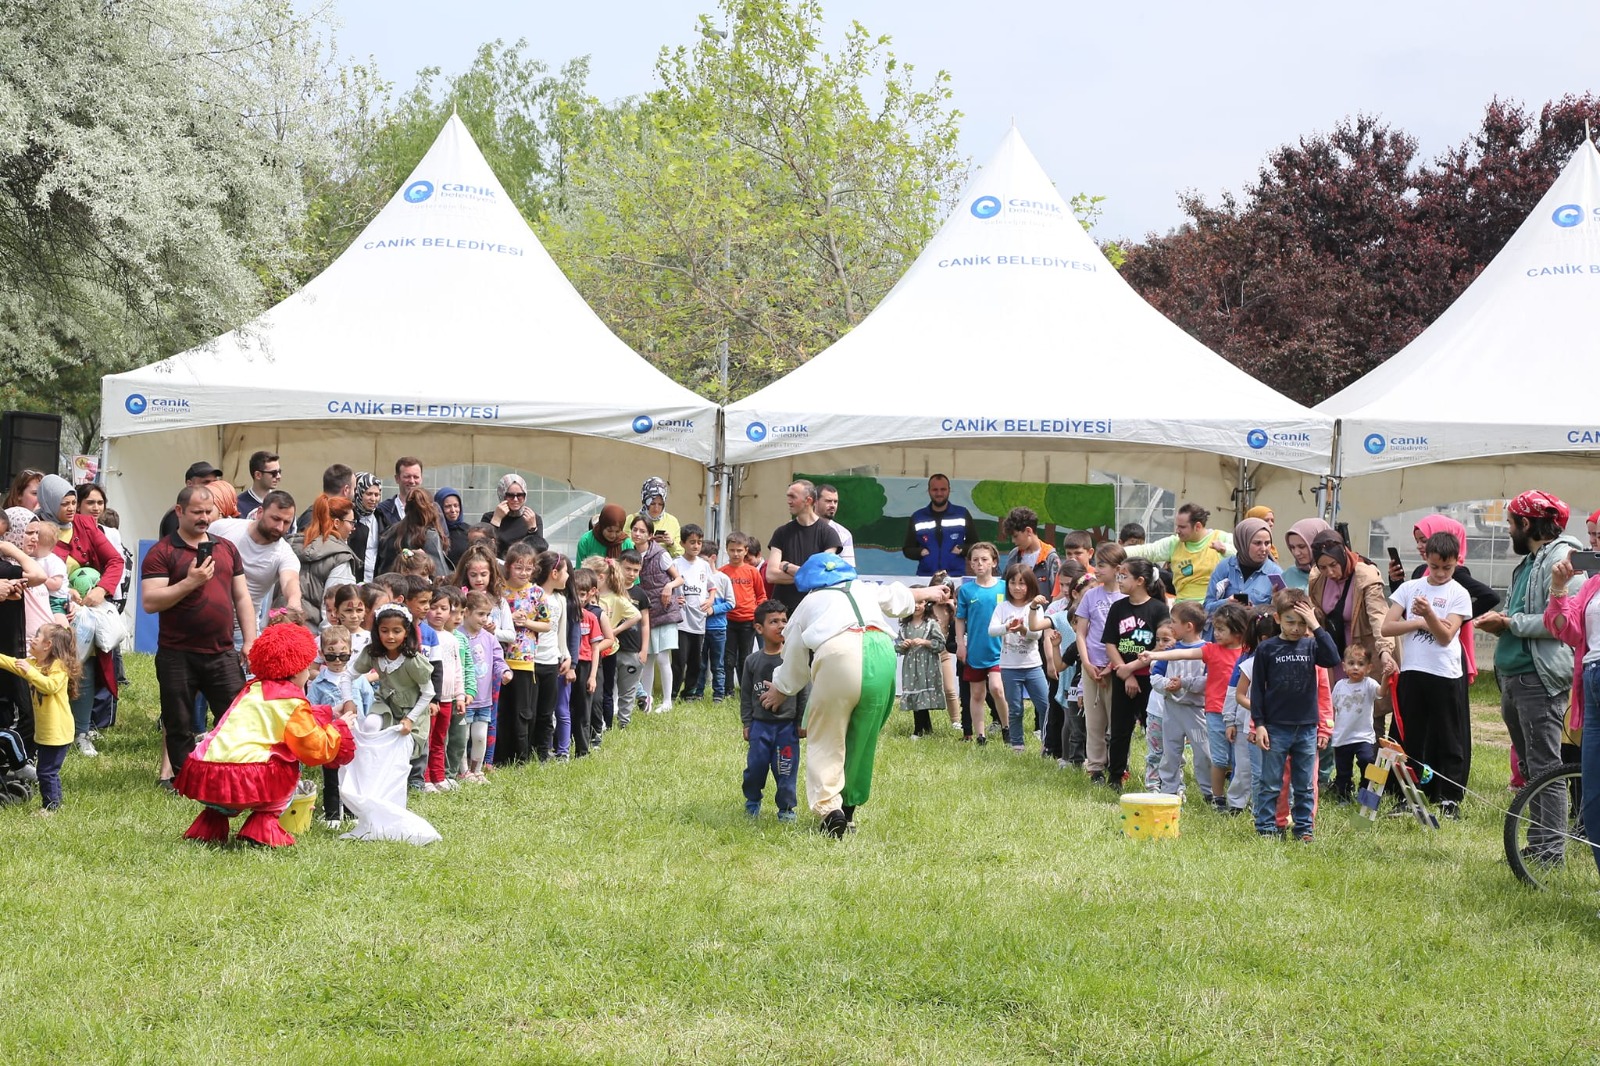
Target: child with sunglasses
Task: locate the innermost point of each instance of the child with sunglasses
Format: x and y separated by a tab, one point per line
350	696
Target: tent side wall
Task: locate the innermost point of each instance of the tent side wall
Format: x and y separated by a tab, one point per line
1366	498
1206	479
145	472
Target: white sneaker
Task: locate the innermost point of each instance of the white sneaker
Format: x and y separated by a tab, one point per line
663	709
430	787
86	746
956	725
447	785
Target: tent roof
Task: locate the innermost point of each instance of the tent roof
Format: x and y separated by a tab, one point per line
1505	368
446	311
1011	324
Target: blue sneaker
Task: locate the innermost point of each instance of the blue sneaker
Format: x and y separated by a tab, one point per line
752	808
786	816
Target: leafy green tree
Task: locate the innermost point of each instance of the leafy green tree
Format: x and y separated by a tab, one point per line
150	161
768	194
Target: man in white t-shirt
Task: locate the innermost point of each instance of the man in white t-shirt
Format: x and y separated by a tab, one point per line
827	507
1427	614
268	560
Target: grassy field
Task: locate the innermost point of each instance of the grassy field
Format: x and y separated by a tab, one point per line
623	909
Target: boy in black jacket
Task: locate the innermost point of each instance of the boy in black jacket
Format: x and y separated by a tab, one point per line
1282	698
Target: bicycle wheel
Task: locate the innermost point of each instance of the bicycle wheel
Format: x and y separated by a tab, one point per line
1544	834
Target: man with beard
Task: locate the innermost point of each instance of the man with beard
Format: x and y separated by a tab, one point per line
1533	668
827	507
196	583
937	535
268	559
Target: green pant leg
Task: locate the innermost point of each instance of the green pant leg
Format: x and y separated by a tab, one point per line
867	722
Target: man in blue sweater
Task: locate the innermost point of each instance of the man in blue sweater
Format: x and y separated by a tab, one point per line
1282	698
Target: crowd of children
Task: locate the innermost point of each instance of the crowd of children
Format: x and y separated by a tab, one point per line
504	661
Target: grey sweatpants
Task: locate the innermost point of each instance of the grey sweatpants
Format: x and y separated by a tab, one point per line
1184	720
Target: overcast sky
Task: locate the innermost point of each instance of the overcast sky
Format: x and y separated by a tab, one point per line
1135	102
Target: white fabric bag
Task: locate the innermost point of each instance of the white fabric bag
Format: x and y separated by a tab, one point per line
373	785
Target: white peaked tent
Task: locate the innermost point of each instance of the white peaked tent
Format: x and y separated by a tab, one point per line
445	331
1011	333
1505	368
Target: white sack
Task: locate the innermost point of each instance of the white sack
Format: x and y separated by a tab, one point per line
373	785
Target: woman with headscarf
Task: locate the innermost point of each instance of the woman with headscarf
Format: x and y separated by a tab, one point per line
1348	594
81	542
609	537
653	505
371	521
1251	573
1299	539
452	514
1266	515
19	572
513	520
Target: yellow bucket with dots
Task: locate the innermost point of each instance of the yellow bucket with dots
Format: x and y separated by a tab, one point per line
297	818
1150	815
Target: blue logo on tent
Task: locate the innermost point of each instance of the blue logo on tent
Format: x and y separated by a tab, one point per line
756	431
135	404
1568	215
1256	438
643	424
418	191
986	206
1374	443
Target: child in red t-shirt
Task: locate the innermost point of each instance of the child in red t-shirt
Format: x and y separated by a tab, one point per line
749	589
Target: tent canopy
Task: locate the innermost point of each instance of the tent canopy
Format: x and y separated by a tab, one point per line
445	314
1503	369
1011	328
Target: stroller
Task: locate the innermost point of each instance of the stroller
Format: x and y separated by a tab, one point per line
17	777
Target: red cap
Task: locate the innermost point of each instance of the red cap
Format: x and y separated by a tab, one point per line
1536	503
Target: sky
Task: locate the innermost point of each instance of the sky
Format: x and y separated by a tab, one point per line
1133	102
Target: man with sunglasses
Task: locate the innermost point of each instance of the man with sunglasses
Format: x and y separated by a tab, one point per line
266	471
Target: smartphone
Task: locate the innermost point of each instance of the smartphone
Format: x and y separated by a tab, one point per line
1394	555
1585	562
1241	597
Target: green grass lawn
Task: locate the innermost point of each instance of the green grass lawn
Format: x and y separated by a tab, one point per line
623	909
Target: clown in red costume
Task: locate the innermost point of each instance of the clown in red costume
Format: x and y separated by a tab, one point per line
251	760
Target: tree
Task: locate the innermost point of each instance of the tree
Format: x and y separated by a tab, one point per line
768	194
524	119
149	177
1347	247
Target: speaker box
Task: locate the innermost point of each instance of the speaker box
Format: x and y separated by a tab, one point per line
29	441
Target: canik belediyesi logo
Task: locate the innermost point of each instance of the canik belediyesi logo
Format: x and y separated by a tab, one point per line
986	206
418	191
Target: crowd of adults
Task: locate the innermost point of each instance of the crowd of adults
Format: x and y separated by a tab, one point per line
226	559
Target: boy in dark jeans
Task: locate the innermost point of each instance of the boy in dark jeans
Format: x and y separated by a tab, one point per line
1281	695
773	735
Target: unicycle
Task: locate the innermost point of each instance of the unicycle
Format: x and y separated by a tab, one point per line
1546	844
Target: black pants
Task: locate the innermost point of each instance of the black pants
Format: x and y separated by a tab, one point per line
1347	757
544	716
1437	729
1126	712
741	642
692	674
921	723
607	687
332	809
182	675
513	741
578	708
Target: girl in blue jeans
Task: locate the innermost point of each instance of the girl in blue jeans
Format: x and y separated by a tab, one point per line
1019	621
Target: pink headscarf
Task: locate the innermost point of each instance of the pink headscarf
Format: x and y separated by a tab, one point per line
1438	523
1308	530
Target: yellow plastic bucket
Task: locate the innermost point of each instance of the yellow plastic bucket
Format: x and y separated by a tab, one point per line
1150	815
297	818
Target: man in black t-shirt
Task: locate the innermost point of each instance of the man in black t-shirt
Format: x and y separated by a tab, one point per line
791	544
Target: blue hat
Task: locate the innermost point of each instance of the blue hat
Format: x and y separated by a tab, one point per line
823	570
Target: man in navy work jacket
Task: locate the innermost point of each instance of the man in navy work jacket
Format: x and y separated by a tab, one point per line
937	535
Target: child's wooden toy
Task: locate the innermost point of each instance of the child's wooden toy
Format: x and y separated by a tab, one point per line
1391	760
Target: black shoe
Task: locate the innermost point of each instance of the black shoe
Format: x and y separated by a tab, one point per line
983	738
850	818
165	784
1450	809
836	824
1097	777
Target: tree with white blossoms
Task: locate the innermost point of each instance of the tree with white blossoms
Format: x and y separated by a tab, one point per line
151	160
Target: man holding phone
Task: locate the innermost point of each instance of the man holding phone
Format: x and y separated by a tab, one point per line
196	583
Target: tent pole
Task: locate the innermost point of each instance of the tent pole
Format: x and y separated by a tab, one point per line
716	500
1336	478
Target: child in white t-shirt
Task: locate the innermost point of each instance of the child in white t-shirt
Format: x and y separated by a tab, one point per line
1427	614
1354	738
